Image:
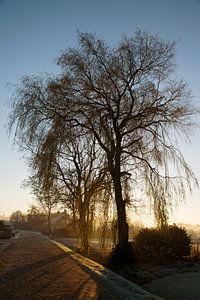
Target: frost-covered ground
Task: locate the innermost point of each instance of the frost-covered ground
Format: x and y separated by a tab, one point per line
184	286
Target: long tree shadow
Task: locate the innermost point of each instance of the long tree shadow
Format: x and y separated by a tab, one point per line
79	291
31	274
16	273
103	288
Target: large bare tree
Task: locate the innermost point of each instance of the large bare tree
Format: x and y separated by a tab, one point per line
126	97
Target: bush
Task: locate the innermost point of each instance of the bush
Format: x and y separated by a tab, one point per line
121	255
179	242
162	245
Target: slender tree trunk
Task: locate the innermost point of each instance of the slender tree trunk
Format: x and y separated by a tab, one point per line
49	223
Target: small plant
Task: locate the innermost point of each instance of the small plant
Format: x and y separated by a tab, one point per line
162	245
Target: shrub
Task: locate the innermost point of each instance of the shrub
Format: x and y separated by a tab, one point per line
162	245
179	242
121	255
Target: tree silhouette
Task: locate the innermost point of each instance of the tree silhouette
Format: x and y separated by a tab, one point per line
126	99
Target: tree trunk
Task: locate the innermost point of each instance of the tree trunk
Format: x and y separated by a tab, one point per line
114	165
49	223
83	229
121	211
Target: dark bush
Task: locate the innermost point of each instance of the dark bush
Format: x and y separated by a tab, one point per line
162	245
180	242
149	245
121	255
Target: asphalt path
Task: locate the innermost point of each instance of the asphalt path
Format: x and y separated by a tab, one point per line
34	268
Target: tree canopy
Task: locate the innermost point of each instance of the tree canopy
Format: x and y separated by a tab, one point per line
126	101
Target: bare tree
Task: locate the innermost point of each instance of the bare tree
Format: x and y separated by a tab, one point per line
35	218
18	219
126	98
47	197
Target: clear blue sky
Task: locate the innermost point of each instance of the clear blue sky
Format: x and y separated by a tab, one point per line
32	34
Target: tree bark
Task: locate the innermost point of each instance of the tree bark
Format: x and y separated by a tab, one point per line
115	171
121	211
83	228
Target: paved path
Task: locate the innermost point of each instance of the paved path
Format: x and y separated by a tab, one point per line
184	286
33	268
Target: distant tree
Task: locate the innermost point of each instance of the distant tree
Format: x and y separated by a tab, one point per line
48	202
34	214
18	219
47	198
126	98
